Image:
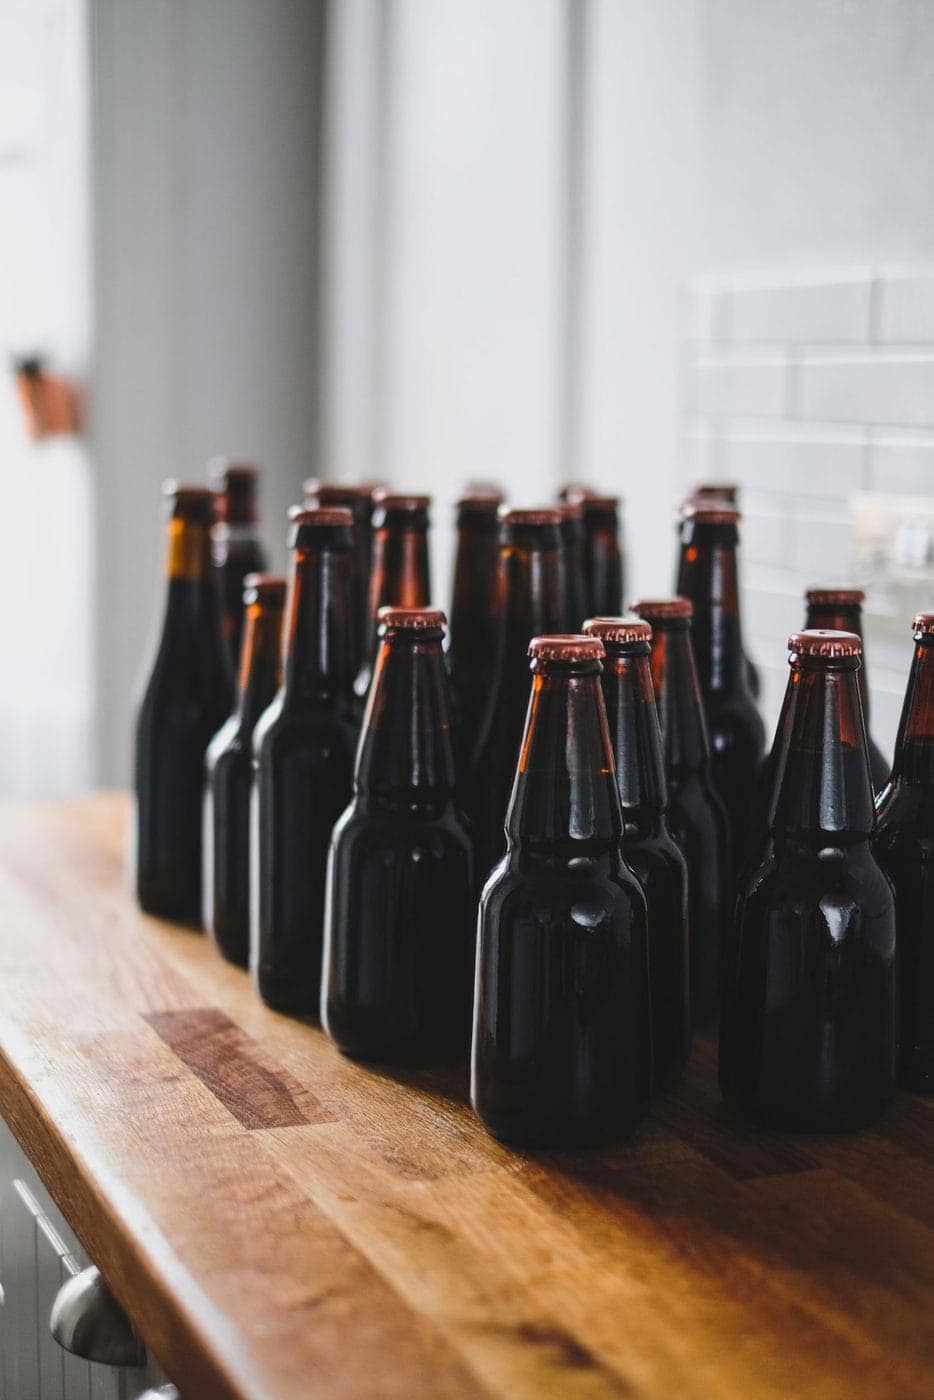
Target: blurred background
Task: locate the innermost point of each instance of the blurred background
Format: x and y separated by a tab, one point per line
638	242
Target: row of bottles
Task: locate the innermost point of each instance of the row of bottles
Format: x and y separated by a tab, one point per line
606	927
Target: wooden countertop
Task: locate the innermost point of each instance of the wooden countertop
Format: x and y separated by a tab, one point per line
283	1223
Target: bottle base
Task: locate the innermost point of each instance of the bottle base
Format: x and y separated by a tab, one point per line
560	1136
816	1122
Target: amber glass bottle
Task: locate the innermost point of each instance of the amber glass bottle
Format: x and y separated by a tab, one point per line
727	491
400	574
303	748
531	582
696	815
562	1041
648	845
187	696
238	550
841	610
708	576
808	1027
905	848
358	500
603	557
572	536
399	927
474	618
229	772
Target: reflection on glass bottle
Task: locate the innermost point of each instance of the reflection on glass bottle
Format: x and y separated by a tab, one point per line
187	696
808	1025
562	1043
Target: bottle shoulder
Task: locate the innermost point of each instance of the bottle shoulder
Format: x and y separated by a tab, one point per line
807	874
401	827
518	885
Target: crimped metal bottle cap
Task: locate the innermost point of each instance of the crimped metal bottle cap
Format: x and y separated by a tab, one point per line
320	515
540	515
618	629
820	641
411	619
566	647
661	609
835	597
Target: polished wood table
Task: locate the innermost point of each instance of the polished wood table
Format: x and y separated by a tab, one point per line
283	1223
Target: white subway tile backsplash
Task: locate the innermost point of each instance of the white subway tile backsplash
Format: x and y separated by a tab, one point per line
741	383
823	547
906	307
767	537
792	461
903	464
866	386
800	312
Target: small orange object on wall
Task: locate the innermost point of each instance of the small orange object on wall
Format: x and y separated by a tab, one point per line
50	403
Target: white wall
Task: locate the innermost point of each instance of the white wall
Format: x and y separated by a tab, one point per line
206	133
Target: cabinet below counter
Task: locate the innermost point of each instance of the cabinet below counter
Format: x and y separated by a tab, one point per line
282	1223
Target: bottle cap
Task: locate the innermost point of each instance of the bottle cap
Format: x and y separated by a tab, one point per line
480	502
835	597
266	588
566	647
224	472
819	641
411	619
335	493
595	504
661	609
711	512
924	623
391	501
722	490
572	510
543	515
575	491
193	502
618	629
320	515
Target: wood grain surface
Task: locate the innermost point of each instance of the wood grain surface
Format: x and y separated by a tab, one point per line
284	1223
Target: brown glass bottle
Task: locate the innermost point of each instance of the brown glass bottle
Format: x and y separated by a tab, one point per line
303	748
474	615
696	815
400	574
398	950
707	575
238	550
841	610
359	501
229	772
904	846
572	536
187	696
706	493
562	1040
531	580
603	558
648	846
808	1026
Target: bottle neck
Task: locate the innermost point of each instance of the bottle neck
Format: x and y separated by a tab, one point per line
400	574
405	748
565	788
914	747
530	580
188	551
824	786
317	655
476	569
707	574
842	617
260	661
632	716
677	694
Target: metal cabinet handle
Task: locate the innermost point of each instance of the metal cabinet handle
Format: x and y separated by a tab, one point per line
87	1320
